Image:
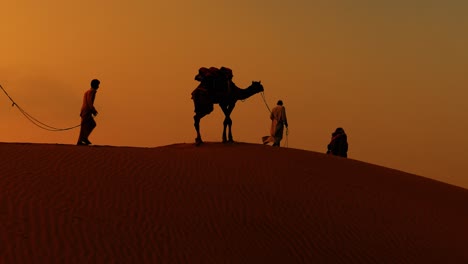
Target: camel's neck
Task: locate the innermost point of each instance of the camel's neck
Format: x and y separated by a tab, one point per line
242	94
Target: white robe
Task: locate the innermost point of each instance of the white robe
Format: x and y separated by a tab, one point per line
278	119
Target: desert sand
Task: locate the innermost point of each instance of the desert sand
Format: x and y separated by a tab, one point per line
220	203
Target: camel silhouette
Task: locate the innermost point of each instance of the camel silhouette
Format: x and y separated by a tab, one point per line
216	87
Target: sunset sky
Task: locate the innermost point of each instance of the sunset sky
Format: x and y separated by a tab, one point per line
393	74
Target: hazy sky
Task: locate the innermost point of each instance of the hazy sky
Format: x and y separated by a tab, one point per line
393	73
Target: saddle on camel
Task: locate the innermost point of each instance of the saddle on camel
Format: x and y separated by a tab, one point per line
214	83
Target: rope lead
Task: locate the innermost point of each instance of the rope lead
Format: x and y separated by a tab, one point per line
34	120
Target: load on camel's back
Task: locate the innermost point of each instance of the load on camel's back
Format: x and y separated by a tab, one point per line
213	81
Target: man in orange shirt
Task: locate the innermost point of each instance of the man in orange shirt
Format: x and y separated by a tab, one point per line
87	113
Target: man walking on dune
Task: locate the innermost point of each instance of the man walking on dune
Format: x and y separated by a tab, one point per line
87	113
278	121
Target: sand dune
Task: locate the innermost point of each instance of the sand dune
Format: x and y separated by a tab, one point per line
238	203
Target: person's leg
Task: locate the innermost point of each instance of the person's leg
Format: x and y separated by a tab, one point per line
278	134
87	126
91	124
277	142
82	132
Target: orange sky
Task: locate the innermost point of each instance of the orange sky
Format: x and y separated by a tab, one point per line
392	74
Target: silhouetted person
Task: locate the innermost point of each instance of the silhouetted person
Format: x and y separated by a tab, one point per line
87	113
278	121
338	145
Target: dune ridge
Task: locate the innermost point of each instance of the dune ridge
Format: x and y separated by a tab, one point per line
220	203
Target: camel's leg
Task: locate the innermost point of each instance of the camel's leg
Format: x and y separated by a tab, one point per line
227	123
224	133
227	110
197	118
201	110
230	139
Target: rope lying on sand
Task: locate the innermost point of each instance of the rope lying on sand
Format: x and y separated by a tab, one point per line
34	120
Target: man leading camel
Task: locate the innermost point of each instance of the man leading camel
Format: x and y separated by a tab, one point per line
87	113
278	121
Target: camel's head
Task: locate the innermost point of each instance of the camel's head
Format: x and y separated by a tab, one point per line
257	86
